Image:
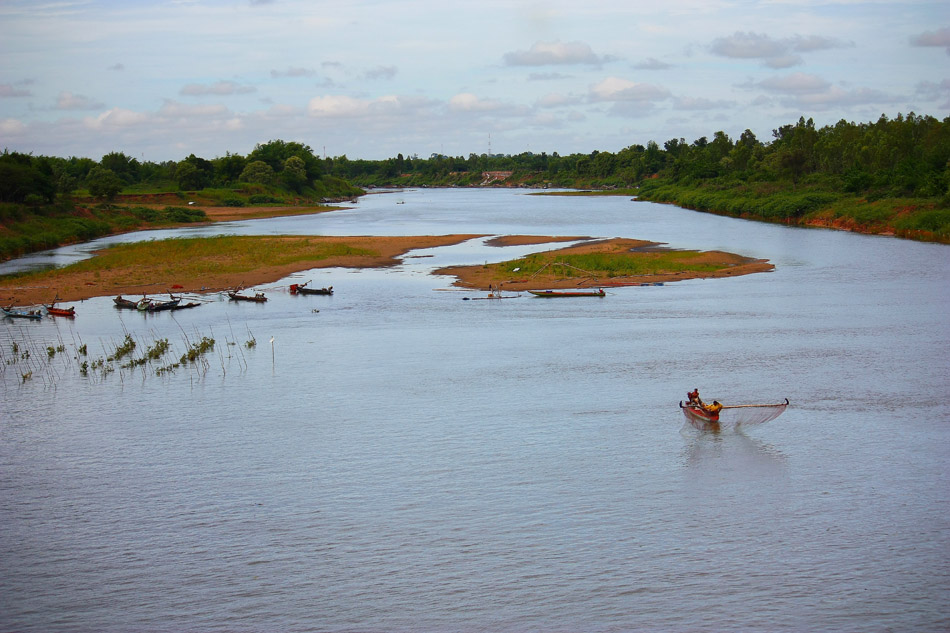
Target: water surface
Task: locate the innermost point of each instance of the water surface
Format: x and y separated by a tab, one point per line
399	459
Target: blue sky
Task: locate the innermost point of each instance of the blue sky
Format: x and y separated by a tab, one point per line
161	79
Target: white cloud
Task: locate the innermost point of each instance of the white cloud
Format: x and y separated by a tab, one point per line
10	90
554	54
939	38
467	102
337	106
173	109
801	90
796	83
293	72
617	89
652	63
700	103
557	100
12	127
70	101
775	53
381	72
116	118
748	46
218	88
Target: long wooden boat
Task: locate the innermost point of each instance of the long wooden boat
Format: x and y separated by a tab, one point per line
696	413
257	298
301	289
568	293
13	313
158	306
64	312
120	302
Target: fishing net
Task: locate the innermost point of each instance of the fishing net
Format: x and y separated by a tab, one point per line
751	415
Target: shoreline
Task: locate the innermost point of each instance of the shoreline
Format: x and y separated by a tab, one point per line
78	283
157	268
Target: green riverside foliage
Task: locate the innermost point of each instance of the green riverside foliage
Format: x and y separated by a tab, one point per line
890	175
38	210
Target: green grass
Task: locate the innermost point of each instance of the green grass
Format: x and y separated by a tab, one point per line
809	204
192	257
609	265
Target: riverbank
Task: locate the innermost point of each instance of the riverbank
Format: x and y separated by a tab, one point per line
202	265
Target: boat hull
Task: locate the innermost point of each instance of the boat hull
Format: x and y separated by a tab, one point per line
567	293
254	299
699	418
18	314
63	312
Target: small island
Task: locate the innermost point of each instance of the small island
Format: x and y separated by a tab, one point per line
213	264
603	263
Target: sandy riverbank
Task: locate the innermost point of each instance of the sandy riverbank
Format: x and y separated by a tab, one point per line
724	265
158	269
152	274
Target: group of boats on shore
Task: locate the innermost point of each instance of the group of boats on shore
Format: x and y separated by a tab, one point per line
37	313
151	304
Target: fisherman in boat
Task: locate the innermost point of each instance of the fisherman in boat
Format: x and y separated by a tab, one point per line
713	408
693	397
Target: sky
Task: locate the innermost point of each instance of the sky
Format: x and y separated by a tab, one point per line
162	79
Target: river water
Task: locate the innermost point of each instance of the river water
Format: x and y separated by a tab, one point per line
393	458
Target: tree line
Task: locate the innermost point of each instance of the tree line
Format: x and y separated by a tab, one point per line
905	156
288	166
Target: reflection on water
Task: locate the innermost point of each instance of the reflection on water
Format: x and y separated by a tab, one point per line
729	453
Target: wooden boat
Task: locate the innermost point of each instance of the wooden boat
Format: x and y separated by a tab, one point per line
301	289
185	306
64	312
158	306
13	313
696	413
568	293
704	417
257	298
125	303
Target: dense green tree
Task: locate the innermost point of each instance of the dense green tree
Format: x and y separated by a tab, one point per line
258	172
126	168
22	176
103	183
294	174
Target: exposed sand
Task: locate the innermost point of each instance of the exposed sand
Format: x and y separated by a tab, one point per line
162	276
481	277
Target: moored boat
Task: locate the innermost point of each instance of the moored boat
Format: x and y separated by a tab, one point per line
568	293
301	289
15	313
120	302
158	306
64	312
257	298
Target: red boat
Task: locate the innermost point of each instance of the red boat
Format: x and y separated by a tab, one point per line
65	312
696	413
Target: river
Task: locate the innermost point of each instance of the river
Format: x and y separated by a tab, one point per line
393	458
